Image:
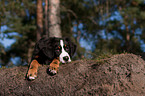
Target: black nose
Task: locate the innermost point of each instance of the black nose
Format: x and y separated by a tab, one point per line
65	58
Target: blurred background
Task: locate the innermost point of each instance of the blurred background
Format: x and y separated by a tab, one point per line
96	26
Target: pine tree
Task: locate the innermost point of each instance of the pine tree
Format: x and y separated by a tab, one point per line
54	18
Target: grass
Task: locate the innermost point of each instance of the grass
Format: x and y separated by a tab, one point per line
3	67
102	57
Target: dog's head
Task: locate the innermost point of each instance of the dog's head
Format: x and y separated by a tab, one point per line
61	48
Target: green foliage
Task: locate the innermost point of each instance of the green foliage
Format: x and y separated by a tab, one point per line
110	26
19	16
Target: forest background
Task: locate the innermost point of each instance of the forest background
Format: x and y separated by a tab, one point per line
96	26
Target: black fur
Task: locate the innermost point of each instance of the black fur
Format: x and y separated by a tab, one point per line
72	46
45	49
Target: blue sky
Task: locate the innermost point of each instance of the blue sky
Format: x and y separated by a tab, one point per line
7	42
3	37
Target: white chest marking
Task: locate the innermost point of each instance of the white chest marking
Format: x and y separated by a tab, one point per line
63	53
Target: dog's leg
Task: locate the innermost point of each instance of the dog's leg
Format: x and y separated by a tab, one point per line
32	71
54	65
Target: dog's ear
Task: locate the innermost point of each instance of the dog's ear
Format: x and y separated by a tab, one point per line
45	46
48	49
73	46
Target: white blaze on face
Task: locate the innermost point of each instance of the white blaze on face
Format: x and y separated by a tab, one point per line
63	53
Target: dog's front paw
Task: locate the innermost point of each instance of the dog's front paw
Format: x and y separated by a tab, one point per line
53	68
32	74
32	71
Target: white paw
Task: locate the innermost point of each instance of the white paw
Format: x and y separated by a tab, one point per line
52	71
32	78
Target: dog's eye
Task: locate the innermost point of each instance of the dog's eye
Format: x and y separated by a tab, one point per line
57	48
66	47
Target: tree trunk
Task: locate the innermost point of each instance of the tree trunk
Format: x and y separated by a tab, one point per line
46	18
54	19
39	19
127	39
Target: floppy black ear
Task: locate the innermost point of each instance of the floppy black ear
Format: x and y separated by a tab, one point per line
48	49
44	46
73	46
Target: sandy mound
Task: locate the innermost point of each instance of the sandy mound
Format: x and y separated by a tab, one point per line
122	74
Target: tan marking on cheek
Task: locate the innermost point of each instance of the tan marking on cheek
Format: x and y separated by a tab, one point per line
36	56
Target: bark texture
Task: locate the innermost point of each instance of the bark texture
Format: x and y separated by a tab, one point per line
46	18
54	19
39	19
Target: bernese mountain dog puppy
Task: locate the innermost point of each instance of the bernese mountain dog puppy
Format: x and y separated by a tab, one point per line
50	51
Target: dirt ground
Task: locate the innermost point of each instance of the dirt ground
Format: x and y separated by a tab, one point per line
120	75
